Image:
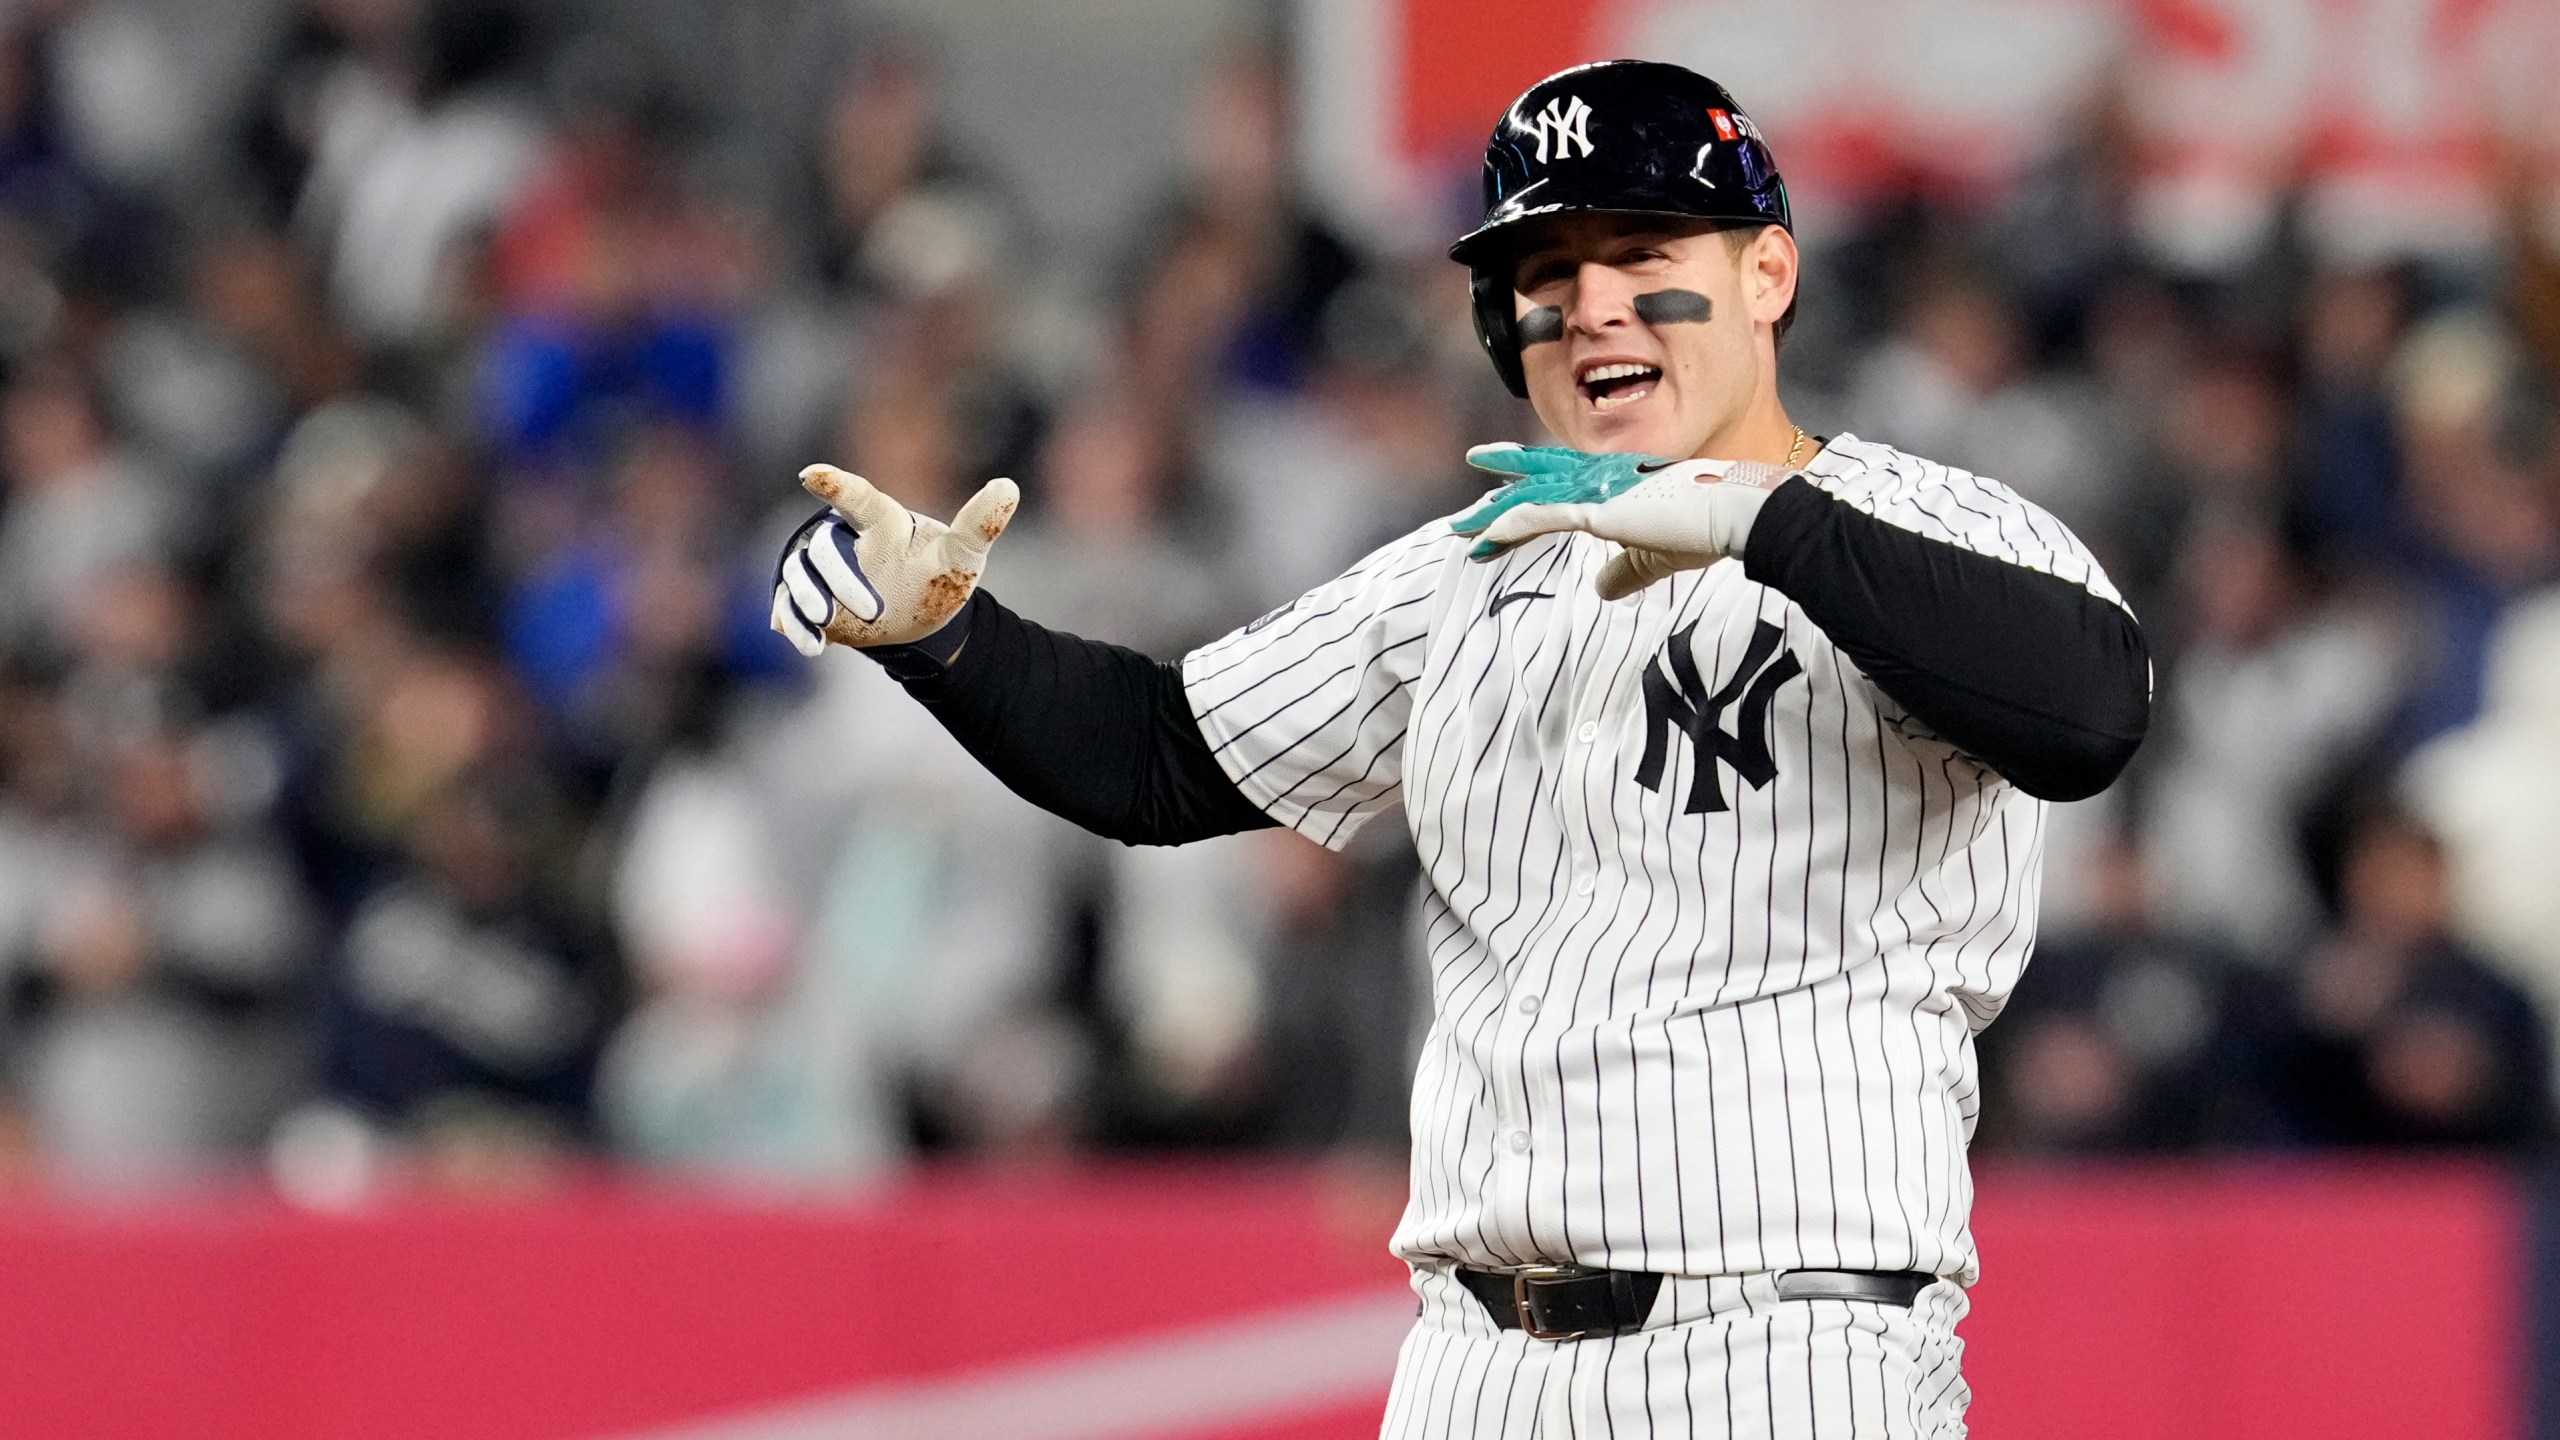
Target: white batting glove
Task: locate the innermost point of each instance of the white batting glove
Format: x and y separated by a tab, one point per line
1671	515
874	573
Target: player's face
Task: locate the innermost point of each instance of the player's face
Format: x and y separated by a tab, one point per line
1640	337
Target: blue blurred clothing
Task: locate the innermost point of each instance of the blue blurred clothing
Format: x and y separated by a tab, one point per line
566	626
553	387
2461	609
2351	474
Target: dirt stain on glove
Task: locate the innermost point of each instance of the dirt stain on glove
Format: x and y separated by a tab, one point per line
993	525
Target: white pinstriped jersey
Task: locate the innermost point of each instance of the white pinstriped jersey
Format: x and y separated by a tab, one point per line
1711	921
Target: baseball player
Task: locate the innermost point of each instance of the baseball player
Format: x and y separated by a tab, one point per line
1725	749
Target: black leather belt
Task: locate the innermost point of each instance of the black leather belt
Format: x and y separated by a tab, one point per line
1568	1302
1564	1302
1897	1288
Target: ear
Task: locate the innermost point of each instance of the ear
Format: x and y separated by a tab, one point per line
1770	267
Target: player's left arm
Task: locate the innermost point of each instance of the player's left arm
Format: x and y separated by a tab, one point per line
1977	613
2043	676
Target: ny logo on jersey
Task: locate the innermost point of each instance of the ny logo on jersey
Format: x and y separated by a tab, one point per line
1680	702
1564	124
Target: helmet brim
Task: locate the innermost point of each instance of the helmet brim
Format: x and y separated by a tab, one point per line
1483	246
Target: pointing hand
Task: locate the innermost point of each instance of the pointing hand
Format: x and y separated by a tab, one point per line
867	571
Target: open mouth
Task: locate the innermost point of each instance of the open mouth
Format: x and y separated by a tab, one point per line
1608	387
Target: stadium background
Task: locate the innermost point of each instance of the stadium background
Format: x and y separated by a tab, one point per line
464	978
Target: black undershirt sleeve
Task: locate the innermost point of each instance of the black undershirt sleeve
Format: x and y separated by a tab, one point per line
1095	733
2029	673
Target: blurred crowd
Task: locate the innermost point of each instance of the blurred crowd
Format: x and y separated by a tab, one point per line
399	413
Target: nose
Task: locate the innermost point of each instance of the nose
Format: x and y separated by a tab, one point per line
1603	300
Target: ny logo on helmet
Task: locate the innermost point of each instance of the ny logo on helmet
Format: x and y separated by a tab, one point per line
1561	125
1679	703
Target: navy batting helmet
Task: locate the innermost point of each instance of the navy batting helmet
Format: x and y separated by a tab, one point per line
1621	137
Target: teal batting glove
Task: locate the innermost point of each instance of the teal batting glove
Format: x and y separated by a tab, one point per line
1526	461
1546	475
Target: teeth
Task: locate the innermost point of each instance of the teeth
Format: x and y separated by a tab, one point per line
1612	402
1618	372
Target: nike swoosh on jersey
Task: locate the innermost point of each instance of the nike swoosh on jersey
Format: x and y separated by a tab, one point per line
1509	596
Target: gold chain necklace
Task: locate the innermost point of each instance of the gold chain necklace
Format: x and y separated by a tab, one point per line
1801	437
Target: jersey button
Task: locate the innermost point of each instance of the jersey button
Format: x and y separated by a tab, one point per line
1519	1142
1528	1004
1585	885
1589	732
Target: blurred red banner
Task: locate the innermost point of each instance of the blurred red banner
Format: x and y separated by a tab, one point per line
1230	1301
2398	123
2279	1301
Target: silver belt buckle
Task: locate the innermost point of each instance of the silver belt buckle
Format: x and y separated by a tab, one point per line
1528	1276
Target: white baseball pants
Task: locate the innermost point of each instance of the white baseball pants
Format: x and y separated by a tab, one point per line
1722	1358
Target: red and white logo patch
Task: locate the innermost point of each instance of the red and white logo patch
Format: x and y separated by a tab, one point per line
1724	124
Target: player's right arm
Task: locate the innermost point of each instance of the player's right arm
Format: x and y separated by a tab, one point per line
1297	718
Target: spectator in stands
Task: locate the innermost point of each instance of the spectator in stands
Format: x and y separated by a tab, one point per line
1957	379
79	507
629	633
68	218
2352	322
195	398
1345	990
464	994
1281	263
938	372
2397	1034
1102	548
2122	1036
2277	686
2140	342
741	1058
2491	790
1355	458
162	991
885	142
326	68
2481	499
416	146
615	284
